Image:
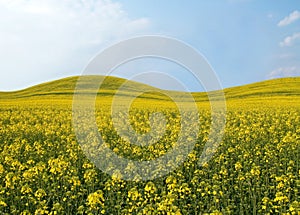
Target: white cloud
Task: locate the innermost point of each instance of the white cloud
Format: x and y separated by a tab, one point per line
284	72
292	17
48	39
289	41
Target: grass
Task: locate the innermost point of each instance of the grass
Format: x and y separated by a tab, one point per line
271	93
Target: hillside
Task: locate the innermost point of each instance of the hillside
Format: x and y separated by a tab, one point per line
283	90
278	87
66	87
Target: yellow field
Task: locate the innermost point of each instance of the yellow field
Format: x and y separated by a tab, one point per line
255	170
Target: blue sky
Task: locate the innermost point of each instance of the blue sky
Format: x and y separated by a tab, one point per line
245	41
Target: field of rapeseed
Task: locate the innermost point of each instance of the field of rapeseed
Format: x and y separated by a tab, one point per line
44	171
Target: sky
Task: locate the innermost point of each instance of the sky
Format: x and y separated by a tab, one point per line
244	41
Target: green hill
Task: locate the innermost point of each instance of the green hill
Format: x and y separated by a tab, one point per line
280	91
276	87
66	87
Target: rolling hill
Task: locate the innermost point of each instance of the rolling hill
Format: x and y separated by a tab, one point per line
278	91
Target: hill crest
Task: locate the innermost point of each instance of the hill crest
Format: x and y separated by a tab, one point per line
282	87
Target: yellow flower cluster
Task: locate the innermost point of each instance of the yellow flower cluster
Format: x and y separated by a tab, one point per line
255	170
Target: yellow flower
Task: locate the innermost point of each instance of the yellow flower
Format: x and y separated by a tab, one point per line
26	189
133	194
95	200
2	170
280	197
40	193
150	187
3	204
255	171
238	166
